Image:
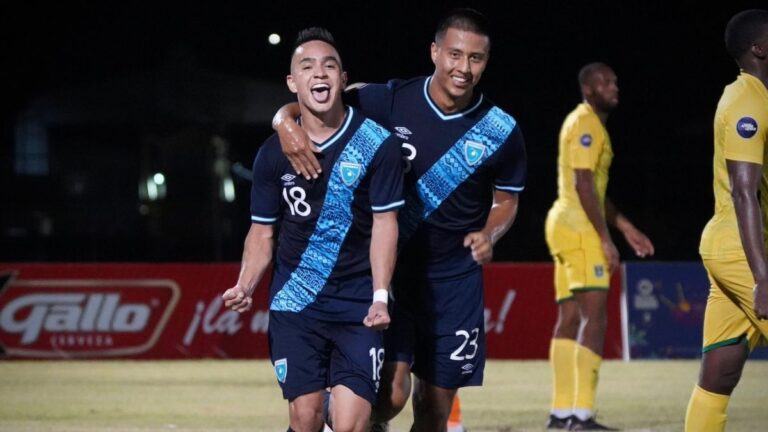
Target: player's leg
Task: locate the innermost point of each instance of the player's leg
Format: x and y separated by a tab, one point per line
431	406
454	418
729	334
306	412
449	352
562	349
394	390
300	357
591	294
356	362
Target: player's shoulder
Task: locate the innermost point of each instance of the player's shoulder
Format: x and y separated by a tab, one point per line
270	150
488	107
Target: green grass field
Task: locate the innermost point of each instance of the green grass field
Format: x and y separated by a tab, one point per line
215	395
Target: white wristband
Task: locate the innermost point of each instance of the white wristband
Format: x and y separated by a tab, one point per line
381	295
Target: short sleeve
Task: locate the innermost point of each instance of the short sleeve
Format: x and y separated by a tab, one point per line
586	141
265	189
373	100
386	189
745	132
513	163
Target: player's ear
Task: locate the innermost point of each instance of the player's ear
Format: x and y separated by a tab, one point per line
291	84
433	52
344	79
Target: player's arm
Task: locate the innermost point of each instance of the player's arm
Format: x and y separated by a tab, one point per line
585	189
500	218
383	252
745	179
296	145
257	255
636	239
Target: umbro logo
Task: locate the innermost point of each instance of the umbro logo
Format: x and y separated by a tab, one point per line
402	132
287	177
467	368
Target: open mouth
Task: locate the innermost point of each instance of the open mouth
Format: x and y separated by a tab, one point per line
321	92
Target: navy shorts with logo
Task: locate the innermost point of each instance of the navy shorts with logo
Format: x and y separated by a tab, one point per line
438	327
309	355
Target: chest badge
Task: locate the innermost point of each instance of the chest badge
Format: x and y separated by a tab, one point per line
473	152
349	172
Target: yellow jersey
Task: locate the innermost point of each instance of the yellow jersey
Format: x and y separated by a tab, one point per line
741	126
584	144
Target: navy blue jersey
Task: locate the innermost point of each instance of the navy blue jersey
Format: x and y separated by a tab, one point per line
453	163
325	224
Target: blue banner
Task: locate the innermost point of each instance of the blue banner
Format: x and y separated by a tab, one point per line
665	305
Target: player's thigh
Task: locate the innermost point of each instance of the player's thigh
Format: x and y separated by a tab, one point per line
450	339
300	354
729	317
357	359
585	269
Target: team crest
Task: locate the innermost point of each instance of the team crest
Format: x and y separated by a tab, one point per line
599	272
473	152
349	172
281	369
746	127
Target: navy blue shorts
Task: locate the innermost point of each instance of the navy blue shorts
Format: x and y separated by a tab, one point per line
309	355
438	327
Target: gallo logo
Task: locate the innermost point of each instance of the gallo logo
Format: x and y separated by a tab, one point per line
83	317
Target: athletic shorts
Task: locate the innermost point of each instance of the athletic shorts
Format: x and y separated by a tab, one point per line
309	355
579	261
438	327
730	316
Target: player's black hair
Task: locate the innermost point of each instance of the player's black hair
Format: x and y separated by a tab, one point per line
589	69
312	34
466	19
745	29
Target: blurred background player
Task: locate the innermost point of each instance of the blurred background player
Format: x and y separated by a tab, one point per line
584	254
465	164
328	296
733	242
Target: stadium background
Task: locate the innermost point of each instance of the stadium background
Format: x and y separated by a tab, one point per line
121	91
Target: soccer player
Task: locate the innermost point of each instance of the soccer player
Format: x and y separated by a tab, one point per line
328	297
583	251
465	165
733	243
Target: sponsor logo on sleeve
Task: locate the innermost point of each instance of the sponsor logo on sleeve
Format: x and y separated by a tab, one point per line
585	140
746	127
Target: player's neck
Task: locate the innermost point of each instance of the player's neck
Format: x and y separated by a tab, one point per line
447	103
602	115
320	126
757	70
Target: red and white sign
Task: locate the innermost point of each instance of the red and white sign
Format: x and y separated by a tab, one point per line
175	311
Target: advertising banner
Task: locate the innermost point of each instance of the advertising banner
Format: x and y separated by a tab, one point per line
174	311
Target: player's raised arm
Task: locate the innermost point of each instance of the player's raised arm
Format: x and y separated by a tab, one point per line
257	254
295	142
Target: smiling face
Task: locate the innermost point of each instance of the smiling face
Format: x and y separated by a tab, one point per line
460	57
317	77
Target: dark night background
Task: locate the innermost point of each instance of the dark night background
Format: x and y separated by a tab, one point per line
116	92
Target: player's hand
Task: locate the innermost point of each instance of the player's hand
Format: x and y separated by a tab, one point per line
237	299
299	149
378	316
639	242
480	243
611	255
760	293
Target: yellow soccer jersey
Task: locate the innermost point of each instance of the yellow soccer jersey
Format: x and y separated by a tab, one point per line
741	126
584	144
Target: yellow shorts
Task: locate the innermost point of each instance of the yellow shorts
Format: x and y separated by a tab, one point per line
579	260
730	317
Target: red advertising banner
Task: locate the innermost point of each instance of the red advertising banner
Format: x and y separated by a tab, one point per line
174	311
